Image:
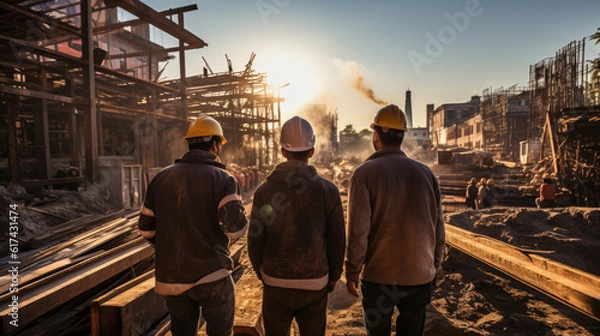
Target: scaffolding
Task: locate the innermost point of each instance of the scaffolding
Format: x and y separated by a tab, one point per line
247	107
564	125
505	112
79	93
554	84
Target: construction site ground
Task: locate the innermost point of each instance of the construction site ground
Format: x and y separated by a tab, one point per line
470	297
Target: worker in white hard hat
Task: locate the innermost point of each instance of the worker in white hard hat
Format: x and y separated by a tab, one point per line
191	213
396	234
297	237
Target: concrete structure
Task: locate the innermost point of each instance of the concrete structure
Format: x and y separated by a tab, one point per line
447	115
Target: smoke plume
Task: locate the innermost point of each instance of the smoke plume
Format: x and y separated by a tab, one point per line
351	72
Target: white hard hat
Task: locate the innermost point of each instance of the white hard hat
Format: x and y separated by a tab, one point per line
297	135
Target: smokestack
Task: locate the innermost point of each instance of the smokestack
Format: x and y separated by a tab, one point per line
430	108
408	109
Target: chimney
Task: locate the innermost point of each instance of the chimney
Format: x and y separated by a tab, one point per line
430	108
408	109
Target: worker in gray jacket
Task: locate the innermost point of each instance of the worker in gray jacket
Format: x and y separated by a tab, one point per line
191	213
396	233
296	239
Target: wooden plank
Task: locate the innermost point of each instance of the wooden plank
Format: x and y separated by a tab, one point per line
148	14
549	277
133	311
33	304
95	304
135	22
35	94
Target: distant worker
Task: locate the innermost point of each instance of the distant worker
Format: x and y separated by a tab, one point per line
481	194
471	194
547	193
396	235
297	237
191	212
491	194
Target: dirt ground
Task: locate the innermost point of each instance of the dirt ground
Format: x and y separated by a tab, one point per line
471	298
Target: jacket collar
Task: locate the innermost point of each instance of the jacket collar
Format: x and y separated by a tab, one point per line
202	157
284	171
386	152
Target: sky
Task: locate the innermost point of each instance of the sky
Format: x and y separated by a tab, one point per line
444	51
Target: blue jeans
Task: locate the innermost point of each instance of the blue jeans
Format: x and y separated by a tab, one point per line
378	303
282	305
217	301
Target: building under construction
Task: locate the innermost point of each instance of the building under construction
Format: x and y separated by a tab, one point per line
563	124
505	112
246	106
80	98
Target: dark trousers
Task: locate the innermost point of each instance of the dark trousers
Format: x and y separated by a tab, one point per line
217	301
378	303
282	305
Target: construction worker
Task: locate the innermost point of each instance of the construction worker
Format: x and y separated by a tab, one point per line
481	194
491	194
191	213
471	194
297	237
547	193
396	234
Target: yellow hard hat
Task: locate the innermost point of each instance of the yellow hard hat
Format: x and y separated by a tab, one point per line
205	126
390	116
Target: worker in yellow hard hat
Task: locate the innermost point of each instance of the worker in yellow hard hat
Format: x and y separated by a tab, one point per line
191	213
395	231
297	237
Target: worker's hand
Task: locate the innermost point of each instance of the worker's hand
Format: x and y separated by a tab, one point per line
439	277
352	286
331	285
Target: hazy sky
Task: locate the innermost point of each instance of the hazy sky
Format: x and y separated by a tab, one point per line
444	51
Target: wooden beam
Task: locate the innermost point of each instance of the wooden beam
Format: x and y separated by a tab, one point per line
35	94
573	287
54	23
13	157
89	92
132	312
33	304
170	11
148	14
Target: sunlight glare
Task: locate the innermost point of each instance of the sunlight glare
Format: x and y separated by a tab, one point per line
283	68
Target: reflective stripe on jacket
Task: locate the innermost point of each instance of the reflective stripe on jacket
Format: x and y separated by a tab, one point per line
191	210
297	229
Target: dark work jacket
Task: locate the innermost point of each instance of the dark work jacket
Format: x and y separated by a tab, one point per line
191	210
297	228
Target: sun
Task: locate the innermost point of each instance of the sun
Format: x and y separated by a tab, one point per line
295	75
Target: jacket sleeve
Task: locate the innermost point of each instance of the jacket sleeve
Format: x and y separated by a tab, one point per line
359	225
440	231
257	234
336	238
147	219
230	210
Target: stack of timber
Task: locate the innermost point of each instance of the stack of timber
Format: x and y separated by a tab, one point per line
135	309
57	283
